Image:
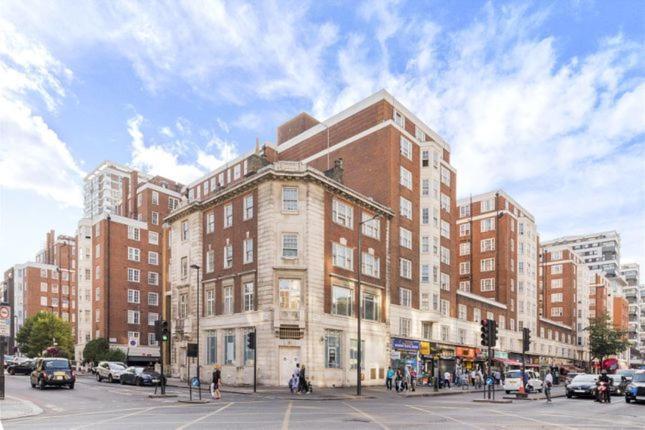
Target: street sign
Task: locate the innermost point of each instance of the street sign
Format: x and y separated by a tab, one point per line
5	321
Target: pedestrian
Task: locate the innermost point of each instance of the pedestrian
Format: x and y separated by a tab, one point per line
406	377
413	379
388	378
302	380
398	378
216	385
473	377
548	383
293	383
446	379
498	377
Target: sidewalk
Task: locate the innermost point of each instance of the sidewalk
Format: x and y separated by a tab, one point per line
13	407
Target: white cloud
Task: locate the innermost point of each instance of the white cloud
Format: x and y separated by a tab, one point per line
32	156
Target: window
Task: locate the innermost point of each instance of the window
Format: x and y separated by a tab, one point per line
464	229
153	238
445	281
486	205
462	312
172	203
371	265
289	245
133	233
289	199
133	296
445	307
406	178
332	349
353	353
97	272
487	284
228	256
487	264
97	251
183	305
425	158
425	273
464	286
445	176
425	187
486	245
419	134
152	317
405	297
556	283
249	296
425	216
477	315
210	302
487	224
153	258
464	268
133	317
425	243
445	255
464	211
342	214
97	230
399	119
445	229
556	269
435	301
405	268
43	287
228	300
343	256
557	312
405	238
405	325
184	267
210	222
341	301
155	218
152	339
237	171
371	304
371	228
289	294
210	261
464	248
248	207
153	278
502	322
184	230
406	148
133	275
229	347
445	202
406	208
43	301
248	251
228	215
134	254
556	297
153	299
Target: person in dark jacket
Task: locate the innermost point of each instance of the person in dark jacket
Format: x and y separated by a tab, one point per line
216	385
303	380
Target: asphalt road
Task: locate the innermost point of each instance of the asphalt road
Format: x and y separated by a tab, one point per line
94	405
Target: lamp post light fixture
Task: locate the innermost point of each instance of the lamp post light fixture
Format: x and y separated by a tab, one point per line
359	304
196	267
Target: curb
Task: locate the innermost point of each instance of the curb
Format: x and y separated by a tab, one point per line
33	409
492	401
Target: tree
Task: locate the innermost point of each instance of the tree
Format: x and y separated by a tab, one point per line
45	330
99	350
605	339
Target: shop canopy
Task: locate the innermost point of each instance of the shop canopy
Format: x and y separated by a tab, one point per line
508	361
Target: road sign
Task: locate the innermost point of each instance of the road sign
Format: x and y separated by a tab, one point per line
5	321
133	342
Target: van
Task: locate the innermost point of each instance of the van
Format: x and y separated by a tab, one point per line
513	381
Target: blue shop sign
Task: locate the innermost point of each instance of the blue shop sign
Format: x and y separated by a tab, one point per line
405	344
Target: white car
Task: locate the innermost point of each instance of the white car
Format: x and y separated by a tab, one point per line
513	381
110	370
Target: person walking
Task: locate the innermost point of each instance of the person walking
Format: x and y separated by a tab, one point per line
303	380
406	378
413	379
446	379
293	383
388	378
398	378
216	385
548	383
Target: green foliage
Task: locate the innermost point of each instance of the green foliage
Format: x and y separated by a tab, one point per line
99	350
605	339
39	333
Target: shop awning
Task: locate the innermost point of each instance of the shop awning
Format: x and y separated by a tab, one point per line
507	361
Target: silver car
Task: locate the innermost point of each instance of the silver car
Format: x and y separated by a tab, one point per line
110	370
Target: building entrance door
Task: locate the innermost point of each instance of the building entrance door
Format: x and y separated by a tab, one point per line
289	357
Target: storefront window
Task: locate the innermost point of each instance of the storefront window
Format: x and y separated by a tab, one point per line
229	347
211	347
332	349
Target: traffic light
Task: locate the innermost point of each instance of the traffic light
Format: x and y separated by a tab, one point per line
165	332
485	332
526	339
250	340
493	333
158	329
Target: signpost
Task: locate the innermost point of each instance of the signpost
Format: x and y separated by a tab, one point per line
5	321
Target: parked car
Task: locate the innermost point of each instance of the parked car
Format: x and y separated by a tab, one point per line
618	385
569	377
583	384
513	381
110	370
52	371
139	376
636	389
24	367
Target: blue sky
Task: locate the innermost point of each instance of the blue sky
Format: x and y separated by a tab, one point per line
543	99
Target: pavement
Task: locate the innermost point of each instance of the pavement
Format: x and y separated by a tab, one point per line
15	407
94	405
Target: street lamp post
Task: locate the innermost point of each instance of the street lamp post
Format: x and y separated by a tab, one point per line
196	267
359	307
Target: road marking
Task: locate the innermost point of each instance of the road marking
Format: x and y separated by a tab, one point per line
54	408
115	418
287	415
204	417
368	416
546	423
446	417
